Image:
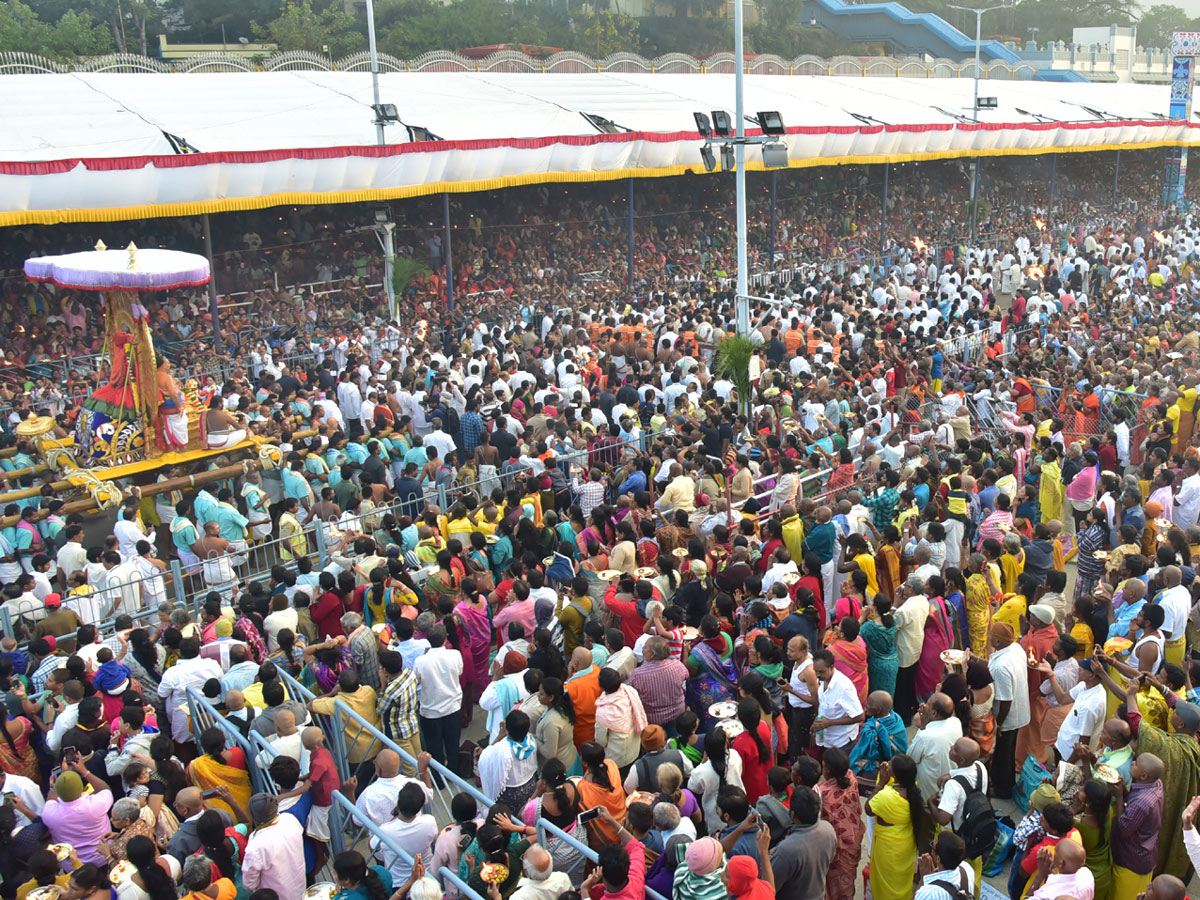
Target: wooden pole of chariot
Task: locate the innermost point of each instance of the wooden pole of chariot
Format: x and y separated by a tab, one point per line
182	483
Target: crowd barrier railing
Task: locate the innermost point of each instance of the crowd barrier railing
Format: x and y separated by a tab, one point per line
344	813
544	827
204	716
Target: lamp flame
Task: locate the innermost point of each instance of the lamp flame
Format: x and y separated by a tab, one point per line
1036	272
1161	238
920	245
1040	223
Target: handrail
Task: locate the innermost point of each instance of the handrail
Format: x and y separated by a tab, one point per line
341	708
543	825
342	806
202	711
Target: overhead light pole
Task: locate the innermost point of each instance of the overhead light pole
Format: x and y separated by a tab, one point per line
975	99
774	156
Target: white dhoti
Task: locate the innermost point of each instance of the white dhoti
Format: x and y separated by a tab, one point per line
488	480
237	552
189	560
260	531
175	428
219	575
223	440
955	532
828	575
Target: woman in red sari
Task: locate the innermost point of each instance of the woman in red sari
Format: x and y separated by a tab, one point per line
850	654
840	807
939	636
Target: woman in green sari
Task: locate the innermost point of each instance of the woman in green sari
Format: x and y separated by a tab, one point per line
879	634
1094	817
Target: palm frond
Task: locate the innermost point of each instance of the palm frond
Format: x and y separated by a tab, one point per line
404	270
732	359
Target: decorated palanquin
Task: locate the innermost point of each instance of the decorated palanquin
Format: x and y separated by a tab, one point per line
141	413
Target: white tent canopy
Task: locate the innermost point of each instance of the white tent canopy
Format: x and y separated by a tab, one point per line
83	146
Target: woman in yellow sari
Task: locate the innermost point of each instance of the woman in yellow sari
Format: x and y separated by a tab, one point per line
898	812
218	766
1050	486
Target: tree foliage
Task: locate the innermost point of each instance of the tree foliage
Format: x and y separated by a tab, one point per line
603	34
1154	29
301	27
72	35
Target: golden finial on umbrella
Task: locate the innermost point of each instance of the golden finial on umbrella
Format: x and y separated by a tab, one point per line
100	246
132	250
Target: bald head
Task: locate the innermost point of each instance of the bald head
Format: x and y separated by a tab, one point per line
879	704
581	658
941	706
1172	576
1166	887
285	723
1147	768
188	802
387	763
965	752
1069	857
311	737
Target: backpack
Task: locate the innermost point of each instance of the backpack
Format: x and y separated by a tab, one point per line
956	892
978	829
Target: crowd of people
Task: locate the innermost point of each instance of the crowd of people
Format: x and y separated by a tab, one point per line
795	638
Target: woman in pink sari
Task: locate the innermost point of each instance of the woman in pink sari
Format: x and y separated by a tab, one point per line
472	613
939	636
850	654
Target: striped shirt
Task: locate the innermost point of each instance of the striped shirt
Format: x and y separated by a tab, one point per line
398	706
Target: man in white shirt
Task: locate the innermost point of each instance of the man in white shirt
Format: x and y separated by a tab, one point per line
1187	501
377	801
192	670
1176	601
66	720
411	829
930	749
128	533
540	881
440	698
1088	701
839	711
1010	677
71	556
945	866
441	440
282	617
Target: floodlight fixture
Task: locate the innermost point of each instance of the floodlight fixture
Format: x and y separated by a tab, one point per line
703	125
771	122
386	112
728	158
775	155
721	124
986	103
710	158
382	214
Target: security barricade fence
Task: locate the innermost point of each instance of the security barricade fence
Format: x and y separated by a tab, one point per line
344	816
204	716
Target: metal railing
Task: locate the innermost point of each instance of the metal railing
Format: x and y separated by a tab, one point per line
545	826
344	813
204	717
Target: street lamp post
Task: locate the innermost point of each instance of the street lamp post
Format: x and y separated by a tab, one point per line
975	100
743	288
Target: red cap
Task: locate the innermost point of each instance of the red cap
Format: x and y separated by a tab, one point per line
51	640
53	599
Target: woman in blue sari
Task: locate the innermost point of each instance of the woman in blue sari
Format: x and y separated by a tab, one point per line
711	673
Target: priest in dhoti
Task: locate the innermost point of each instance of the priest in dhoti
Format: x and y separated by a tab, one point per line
172	413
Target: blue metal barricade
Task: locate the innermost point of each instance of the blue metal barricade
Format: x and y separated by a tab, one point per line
544	826
344	813
205	716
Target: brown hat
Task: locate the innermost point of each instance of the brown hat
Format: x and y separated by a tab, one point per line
653	737
514	662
